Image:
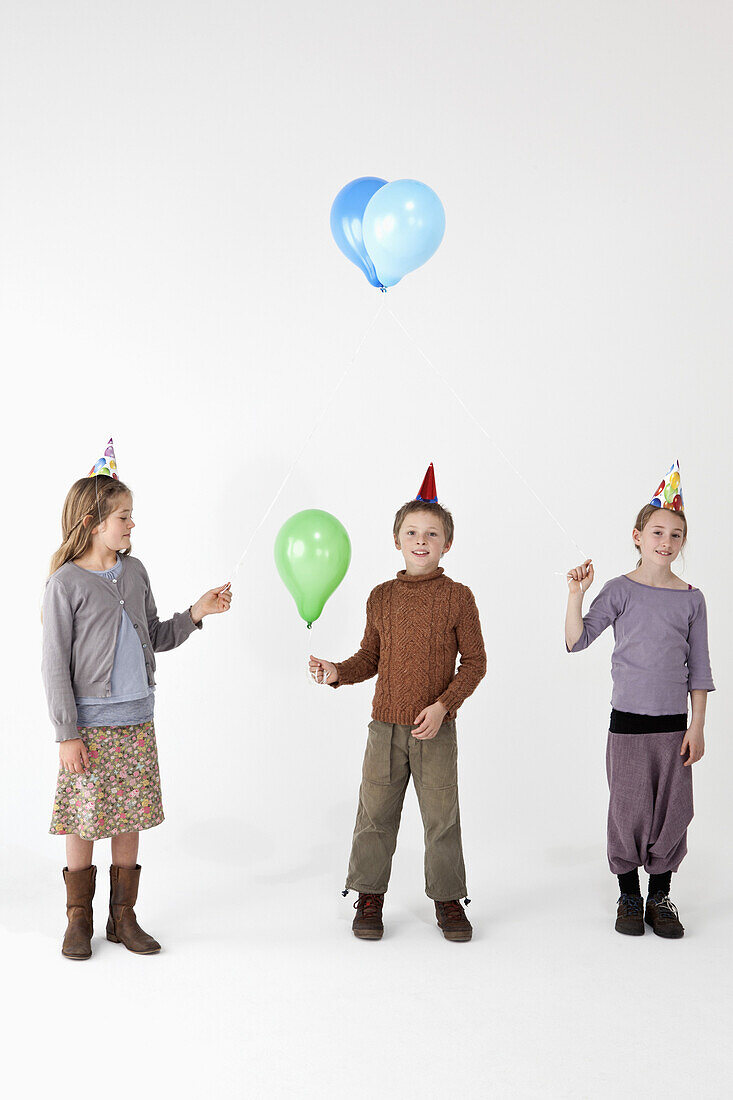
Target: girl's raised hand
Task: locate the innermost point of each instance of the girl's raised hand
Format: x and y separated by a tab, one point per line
323	672
212	602
73	756
581	578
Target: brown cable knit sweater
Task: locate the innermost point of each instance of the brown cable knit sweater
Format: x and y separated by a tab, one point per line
415	628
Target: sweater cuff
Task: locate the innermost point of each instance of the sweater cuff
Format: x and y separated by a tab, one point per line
449	701
194	626
67	732
340	682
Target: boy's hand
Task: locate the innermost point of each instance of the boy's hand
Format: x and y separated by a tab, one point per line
323	672
581	578
429	721
212	602
694	740
73	756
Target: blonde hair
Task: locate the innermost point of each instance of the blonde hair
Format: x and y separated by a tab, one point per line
435	509
90	496
648	512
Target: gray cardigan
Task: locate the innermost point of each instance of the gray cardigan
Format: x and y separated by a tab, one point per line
81	620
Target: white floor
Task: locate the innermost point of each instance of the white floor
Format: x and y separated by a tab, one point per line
261	990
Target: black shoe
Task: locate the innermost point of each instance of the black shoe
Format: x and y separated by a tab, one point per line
630	915
662	916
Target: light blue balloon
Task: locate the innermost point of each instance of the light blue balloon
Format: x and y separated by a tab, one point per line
404	223
347	215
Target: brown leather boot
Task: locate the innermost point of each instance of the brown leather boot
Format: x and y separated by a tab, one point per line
79	893
122	926
452	921
367	924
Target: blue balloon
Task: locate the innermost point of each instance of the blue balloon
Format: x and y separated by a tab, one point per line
404	223
347	214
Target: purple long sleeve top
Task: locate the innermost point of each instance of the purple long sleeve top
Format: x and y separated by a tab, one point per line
661	650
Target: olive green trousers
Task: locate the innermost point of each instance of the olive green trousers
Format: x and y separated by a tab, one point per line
392	756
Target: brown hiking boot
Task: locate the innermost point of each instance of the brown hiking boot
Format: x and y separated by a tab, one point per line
630	915
79	893
122	926
662	916
367	924
452	921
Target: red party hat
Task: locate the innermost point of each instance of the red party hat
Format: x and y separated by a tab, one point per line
427	492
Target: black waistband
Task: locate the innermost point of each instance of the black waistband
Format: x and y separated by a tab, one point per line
624	722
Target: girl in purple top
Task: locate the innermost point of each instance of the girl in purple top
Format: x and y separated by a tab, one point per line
660	656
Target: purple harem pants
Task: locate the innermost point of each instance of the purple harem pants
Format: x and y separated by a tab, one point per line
650	803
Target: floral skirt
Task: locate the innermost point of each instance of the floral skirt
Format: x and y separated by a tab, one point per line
121	791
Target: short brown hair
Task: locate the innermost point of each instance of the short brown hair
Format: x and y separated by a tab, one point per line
435	509
648	512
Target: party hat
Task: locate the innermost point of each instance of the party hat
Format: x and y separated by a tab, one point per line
427	492
669	492
105	465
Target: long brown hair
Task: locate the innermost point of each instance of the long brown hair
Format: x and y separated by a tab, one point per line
648	512
90	496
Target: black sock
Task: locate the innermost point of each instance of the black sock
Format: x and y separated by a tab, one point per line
629	883
660	882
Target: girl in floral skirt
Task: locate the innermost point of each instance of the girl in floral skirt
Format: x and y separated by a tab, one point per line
100	632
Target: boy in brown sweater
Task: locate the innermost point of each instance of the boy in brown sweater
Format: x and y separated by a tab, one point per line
416	626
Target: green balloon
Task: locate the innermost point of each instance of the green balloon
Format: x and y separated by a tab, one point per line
312	554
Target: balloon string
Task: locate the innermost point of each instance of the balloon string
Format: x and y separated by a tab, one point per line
311	433
481	428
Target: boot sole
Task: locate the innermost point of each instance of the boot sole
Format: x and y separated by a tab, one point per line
114	939
665	935
76	958
368	934
461	937
630	931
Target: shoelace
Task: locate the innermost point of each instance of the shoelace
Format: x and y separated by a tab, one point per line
634	904
452	911
369	904
666	907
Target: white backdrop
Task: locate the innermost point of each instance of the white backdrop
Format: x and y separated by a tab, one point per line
168	278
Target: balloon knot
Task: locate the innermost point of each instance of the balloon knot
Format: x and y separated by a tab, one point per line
309	625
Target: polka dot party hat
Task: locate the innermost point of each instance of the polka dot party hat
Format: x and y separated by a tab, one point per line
669	491
106	464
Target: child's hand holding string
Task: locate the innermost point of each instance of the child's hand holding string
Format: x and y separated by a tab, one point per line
212	602
429	721
580	578
323	672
